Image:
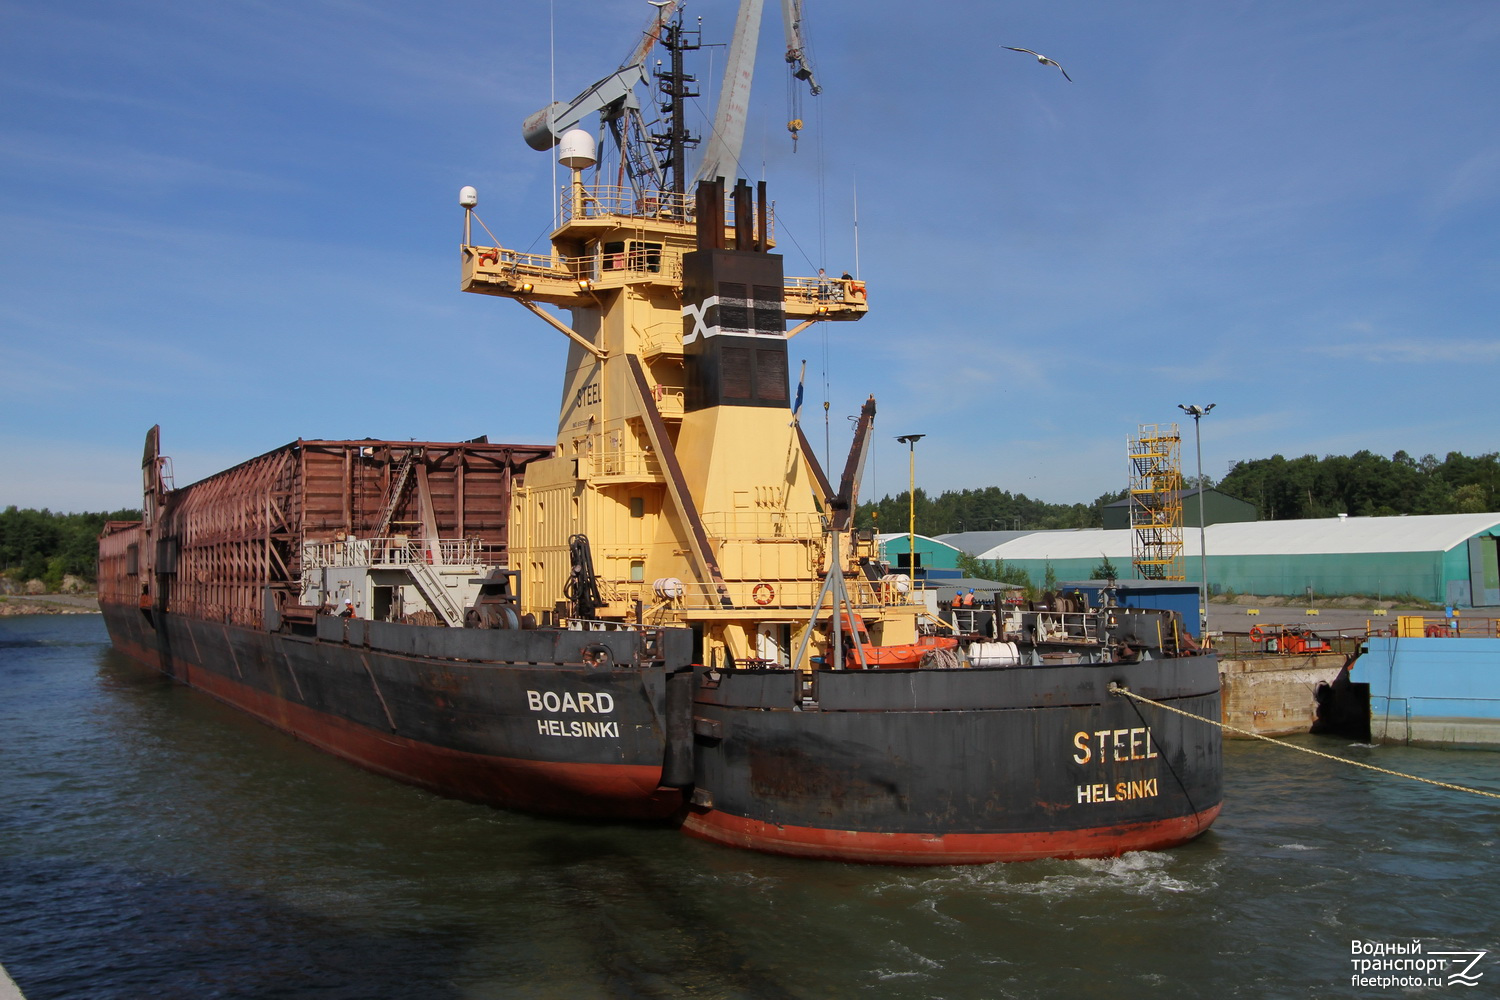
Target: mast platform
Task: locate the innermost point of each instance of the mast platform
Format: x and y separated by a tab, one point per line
617	240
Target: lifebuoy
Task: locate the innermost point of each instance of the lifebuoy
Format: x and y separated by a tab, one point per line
763	594
1257	634
488	257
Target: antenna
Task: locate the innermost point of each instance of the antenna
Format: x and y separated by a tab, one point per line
855	185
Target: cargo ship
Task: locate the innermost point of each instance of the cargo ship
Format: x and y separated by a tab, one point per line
667	614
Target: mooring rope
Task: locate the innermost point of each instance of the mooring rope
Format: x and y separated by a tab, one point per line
1117	689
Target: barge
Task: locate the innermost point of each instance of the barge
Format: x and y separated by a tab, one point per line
1431	681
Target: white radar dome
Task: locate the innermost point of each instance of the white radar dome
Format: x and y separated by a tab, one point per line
468	197
576	150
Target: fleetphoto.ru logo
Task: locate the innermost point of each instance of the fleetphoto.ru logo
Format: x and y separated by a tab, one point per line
1404	964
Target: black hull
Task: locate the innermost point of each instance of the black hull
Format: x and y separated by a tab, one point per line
891	766
938	767
509	718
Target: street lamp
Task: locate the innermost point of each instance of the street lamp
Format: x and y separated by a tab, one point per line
910	440
1198	413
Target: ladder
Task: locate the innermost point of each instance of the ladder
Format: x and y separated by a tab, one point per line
398	486
431	586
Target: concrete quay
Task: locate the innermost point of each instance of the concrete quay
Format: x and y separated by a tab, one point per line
1274	695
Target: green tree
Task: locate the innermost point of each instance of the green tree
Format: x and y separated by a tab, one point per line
996	570
1105	570
41	544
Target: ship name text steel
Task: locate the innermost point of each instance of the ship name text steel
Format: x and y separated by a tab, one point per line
1113	745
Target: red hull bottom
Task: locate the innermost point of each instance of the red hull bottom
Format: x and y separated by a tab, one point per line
590	791
945	849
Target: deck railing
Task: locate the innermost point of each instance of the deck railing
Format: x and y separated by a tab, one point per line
795	597
832	291
601	201
394	552
760	524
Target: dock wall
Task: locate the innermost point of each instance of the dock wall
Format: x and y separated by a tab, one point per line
1274	695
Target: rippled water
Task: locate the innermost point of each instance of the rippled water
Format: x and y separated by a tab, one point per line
156	844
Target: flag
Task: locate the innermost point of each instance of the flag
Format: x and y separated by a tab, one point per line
797	402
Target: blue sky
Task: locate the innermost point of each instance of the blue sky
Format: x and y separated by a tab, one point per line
239	220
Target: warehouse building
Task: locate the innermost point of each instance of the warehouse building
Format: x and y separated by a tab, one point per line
1443	558
934	559
1217	508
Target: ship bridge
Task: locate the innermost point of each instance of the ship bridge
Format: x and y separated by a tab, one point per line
611	238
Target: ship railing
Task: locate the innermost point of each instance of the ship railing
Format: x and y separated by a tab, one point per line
1344	639
793	598
635	263
624	462
603	625
1233	645
604	201
661	339
1438	627
631	264
1062	627
761	523
395	551
524	265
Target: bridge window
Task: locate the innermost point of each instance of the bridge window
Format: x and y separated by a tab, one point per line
632	255
645	256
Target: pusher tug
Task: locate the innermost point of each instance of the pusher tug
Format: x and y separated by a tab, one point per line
643	620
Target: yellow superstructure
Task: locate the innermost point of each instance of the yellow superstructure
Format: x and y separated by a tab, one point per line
702	508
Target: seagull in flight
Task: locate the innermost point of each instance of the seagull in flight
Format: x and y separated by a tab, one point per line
1043	60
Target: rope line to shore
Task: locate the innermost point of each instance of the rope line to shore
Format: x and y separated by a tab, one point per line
1117	689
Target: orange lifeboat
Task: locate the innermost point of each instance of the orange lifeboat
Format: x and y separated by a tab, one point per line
888	657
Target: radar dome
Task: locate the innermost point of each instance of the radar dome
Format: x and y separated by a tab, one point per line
576	150
468	197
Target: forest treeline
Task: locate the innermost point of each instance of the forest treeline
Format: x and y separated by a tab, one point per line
1366	485
1361	485
43	545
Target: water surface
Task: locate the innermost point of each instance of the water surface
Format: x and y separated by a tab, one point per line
154	843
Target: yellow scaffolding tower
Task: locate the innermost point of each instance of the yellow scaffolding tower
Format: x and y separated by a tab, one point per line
1156	502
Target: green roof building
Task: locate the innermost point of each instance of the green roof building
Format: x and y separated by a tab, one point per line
1443	558
1218	508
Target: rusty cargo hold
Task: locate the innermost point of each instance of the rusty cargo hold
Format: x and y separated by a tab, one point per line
221	585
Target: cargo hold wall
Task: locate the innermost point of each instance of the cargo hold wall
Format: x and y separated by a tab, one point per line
221	542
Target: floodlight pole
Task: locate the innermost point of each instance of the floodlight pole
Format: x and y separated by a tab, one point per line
1197	413
910	440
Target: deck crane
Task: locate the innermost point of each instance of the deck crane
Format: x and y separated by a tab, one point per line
800	64
614	100
721	157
